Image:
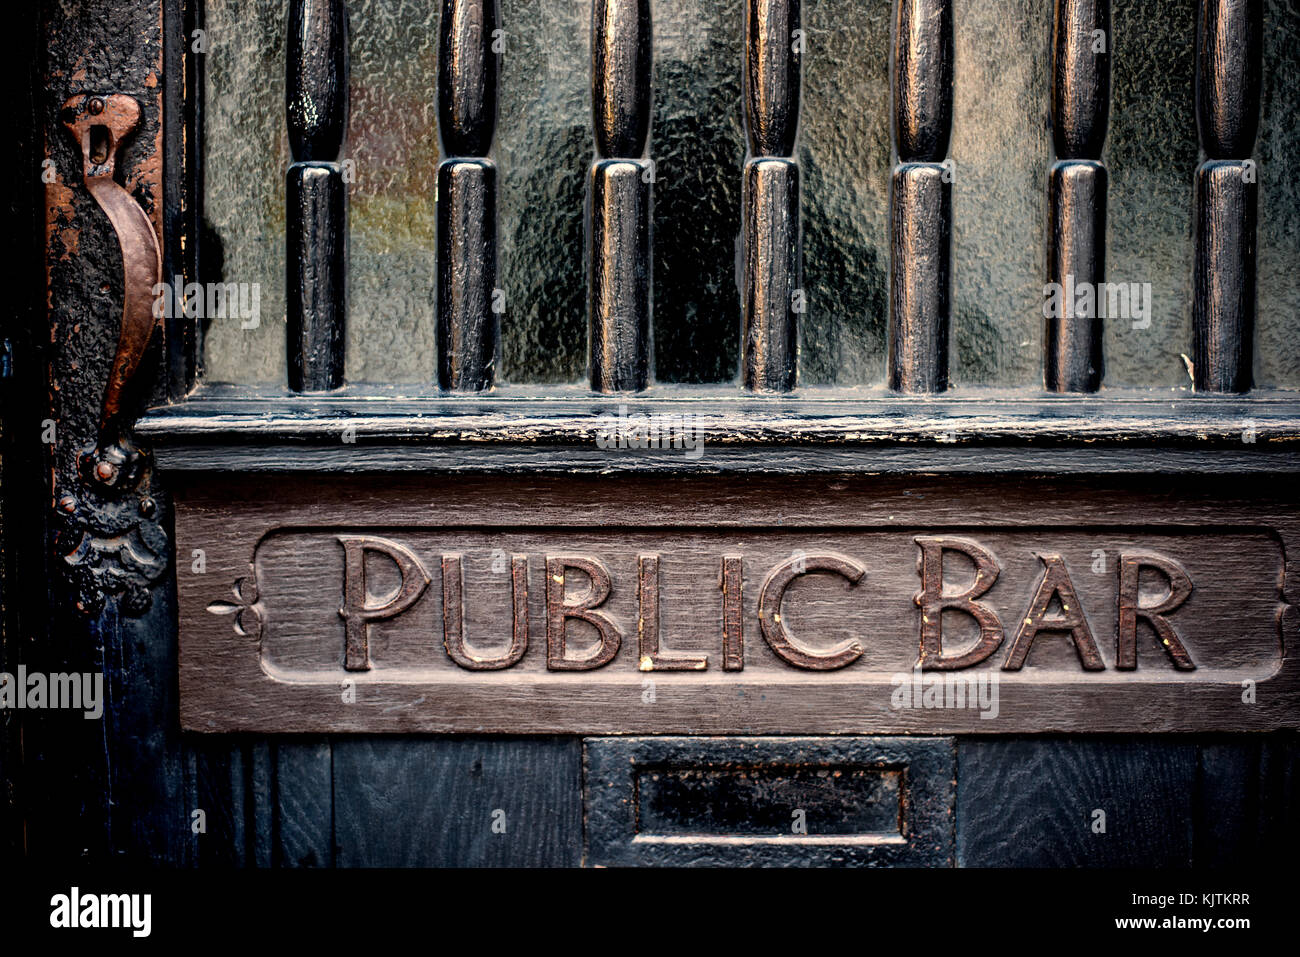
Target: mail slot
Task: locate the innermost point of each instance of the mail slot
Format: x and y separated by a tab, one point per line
806	801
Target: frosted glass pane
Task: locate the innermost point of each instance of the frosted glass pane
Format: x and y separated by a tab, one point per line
1000	147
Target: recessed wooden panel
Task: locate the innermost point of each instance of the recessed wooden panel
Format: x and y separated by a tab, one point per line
734	605
769	801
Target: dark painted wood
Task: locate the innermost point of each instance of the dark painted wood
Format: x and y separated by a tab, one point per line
317	263
24	466
923	71
921	198
1025	802
1228	73
1223	305
806	802
316	91
65	801
303	820
467	77
882	458
152	775
1076	259
264	783
773	275
1242	786
620	77
1080	78
920	271
1229	53
184	185
465	802
1207	802
1076	228
467	308
619	271
1279	791
217	785
467	275
773	53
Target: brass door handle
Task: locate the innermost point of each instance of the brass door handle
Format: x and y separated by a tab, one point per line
100	125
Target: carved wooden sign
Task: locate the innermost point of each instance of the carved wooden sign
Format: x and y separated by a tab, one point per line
614	605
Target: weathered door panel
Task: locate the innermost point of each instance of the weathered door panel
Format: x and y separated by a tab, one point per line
134	786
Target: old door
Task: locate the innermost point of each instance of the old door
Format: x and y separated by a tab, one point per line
656	431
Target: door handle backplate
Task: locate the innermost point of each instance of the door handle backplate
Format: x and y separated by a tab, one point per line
108	532
100	124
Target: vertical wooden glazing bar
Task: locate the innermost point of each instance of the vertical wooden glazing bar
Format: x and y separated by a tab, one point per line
773	260
467	313
619	198
316	104
921	197
1229	42
1076	261
1080	78
1076	236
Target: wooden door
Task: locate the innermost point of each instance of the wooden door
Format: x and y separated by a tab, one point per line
443	281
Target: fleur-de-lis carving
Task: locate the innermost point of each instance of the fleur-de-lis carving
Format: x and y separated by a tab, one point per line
245	608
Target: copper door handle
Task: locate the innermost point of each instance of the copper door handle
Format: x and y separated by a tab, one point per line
100	125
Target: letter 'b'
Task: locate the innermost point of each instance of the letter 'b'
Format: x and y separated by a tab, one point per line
933	601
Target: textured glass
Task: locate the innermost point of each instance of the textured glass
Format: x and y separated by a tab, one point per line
544	146
697	141
1151	155
246	153
1000	147
845	160
1277	337
392	140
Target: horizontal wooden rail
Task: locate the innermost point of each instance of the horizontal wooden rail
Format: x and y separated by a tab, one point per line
824	430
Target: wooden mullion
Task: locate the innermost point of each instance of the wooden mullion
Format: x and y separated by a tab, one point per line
773	260
619	197
468	333
921	198
1229	53
316	210
1077	182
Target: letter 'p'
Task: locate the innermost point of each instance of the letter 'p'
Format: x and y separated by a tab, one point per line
357	611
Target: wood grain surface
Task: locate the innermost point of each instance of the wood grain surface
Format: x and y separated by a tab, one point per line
831	604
